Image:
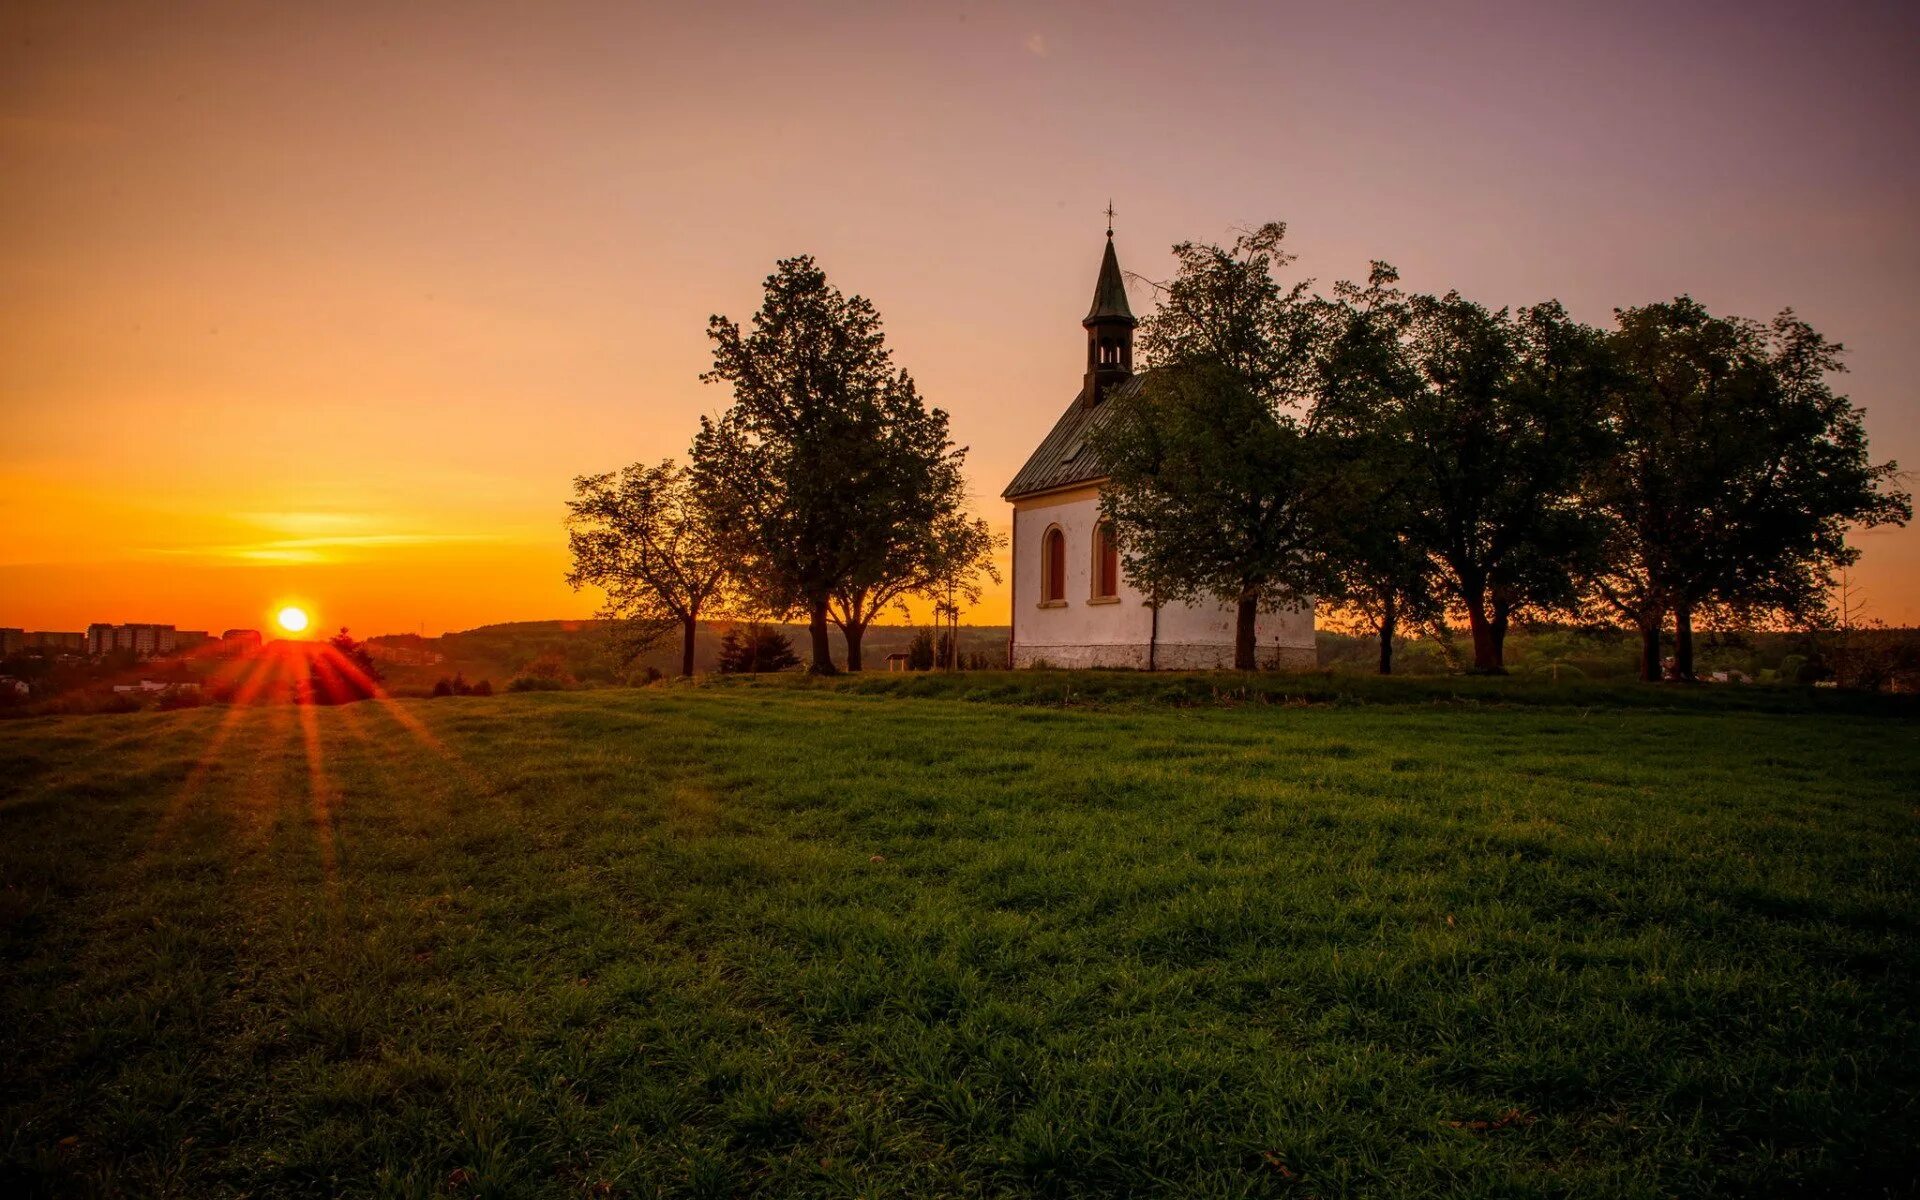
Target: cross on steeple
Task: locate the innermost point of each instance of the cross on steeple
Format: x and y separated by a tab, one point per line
1109	220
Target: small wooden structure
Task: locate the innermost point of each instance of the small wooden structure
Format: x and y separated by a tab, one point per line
897	661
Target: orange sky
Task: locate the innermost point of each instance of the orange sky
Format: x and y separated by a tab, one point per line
332	301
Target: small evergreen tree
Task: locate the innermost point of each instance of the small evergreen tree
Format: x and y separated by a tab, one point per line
342	672
753	648
921	653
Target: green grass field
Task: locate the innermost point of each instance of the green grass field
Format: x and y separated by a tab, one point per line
779	940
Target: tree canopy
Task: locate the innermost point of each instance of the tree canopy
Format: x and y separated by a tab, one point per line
1217	474
1497	415
1403	459
642	538
1733	473
828	475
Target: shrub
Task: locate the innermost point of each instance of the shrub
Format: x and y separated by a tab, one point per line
551	672
181	697
920	654
754	648
458	686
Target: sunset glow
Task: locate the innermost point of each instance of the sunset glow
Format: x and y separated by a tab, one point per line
291	619
321	300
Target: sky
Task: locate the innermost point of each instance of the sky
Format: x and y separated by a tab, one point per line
330	303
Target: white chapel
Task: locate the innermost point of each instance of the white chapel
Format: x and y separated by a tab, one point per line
1072	606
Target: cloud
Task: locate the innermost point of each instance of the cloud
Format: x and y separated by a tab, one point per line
310	524
324	549
1037	45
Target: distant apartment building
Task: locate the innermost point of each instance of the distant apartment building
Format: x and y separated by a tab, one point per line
49	642
189	639
143	640
235	641
12	641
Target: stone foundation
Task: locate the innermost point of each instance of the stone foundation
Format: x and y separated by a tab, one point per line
1166	657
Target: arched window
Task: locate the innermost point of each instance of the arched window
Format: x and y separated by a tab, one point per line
1053	565
1106	563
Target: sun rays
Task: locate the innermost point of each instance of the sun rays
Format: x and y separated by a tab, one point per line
310	686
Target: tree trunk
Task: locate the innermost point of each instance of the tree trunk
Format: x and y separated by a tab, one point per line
1486	649
1497	630
1683	641
854	631
1243	631
1389	622
688	627
822	663
1650	671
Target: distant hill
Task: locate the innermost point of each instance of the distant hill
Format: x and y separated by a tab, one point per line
499	652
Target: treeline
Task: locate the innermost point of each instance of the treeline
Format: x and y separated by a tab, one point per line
1415	460
829	490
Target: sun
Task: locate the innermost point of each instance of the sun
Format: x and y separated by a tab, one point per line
292	619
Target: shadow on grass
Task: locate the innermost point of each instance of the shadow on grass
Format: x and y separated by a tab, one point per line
1225	689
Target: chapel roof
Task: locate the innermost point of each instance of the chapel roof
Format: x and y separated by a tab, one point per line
1065	456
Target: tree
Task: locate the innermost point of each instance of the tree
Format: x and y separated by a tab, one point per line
341	672
1732	476
547	672
1498	413
1810	481
1217	486
962	559
1682	379
828	474
753	648
1379	576
643	540
921	651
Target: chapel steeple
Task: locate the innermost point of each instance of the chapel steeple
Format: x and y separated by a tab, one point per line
1109	325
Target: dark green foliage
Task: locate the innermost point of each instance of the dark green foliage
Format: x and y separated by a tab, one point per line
1219	483
340	672
640	537
1378	573
458	686
1733	473
547	673
921	652
783	939
828	477
752	648
1213	492
1498	417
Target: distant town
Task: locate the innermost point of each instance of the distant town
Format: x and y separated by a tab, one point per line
117	663
141	640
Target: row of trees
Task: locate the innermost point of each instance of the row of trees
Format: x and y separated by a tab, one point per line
1413	459
828	488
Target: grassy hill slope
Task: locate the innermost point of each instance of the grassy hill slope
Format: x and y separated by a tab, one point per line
779	940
